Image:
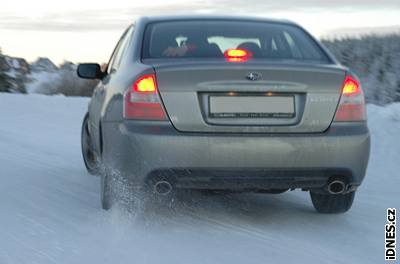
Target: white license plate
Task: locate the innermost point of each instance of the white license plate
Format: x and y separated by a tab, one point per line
252	106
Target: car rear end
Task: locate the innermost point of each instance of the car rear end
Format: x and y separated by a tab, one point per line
255	106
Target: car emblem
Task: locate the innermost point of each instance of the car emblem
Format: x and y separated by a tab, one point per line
253	76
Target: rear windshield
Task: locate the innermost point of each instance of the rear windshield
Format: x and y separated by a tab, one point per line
210	39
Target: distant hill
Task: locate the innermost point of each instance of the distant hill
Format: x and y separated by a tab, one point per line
43	64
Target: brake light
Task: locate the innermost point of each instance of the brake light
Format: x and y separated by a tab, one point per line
142	100
237	55
352	104
350	86
146	83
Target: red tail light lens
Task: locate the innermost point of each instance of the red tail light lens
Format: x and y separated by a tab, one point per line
352	103
142	100
237	55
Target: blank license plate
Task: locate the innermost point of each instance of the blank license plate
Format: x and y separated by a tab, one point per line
252	106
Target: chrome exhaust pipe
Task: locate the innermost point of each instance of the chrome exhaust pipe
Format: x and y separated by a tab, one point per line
336	187
162	187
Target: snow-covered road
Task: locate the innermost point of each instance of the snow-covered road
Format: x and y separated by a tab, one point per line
50	211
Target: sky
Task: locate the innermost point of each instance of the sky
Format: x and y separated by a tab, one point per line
87	30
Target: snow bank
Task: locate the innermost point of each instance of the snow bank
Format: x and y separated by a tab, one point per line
50	209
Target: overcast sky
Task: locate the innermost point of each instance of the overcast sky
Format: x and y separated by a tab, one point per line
86	30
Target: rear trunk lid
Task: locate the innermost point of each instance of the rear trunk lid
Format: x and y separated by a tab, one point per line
249	97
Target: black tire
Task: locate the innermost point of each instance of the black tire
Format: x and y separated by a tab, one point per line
332	203
89	156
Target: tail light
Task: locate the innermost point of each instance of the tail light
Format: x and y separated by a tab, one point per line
142	100
352	103
237	55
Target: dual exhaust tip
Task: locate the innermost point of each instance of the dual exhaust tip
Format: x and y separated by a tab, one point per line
162	187
337	187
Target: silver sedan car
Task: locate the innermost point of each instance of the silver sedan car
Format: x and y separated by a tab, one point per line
229	104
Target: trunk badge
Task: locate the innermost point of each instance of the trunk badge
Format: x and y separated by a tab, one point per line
253	76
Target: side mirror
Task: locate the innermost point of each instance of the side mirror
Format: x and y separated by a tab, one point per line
90	71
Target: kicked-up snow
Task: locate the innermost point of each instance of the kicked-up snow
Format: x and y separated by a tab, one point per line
50	210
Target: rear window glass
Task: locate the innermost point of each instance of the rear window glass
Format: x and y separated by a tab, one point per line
210	39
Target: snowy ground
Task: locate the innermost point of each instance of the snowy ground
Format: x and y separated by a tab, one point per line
50	210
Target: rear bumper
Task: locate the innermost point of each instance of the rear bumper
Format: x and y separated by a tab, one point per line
142	151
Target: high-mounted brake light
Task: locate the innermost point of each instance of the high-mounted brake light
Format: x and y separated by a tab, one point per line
352	104
237	55
142	100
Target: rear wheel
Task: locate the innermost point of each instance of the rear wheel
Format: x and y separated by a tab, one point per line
89	157
332	203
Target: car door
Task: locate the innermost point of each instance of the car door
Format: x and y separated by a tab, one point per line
96	104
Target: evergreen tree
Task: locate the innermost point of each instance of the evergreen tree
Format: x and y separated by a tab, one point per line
397	97
5	84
